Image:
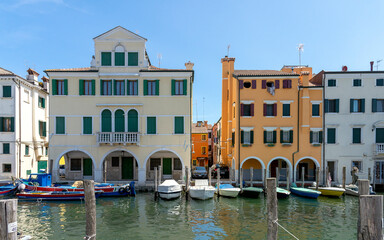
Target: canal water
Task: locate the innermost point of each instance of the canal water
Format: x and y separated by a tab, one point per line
141	217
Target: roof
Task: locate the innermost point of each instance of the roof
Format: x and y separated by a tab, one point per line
121	28
262	73
352	72
317	80
202	129
33	72
85	69
5	72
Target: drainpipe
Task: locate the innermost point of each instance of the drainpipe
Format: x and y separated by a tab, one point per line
322	85
237	130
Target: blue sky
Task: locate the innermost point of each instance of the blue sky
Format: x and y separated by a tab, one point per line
44	34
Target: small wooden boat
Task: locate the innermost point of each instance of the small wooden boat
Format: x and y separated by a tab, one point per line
251	192
227	190
202	190
304	192
330	191
7	190
282	193
54	196
169	189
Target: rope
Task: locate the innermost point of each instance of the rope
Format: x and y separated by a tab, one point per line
89	237
285	229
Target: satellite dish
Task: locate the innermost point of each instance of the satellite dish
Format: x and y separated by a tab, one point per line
344	68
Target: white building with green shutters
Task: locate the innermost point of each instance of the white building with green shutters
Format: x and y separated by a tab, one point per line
354	124
23	124
122	117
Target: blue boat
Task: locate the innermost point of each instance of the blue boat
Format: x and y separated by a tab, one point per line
304	192
8	189
54	196
121	191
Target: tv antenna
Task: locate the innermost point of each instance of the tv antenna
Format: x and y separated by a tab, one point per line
203	108
377	64
228	47
301	49
159	56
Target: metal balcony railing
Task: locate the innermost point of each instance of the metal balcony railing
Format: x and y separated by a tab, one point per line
118	137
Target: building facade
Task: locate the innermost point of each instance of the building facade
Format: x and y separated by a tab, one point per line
23	124
354	124
200	143
122	117
216	146
271	120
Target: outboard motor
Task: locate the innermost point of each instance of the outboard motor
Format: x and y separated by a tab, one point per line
132	191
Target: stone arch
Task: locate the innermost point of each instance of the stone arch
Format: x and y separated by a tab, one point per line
289	164
82	157
310	170
167	159
120	164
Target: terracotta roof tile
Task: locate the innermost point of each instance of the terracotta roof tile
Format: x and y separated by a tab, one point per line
85	69
261	73
5	72
317	80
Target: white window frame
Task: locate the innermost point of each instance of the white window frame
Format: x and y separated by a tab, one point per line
135	87
107	82
151	88
315	134
60	87
120	91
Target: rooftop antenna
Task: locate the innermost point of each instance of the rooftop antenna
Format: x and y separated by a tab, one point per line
377	64
228	47
203	108
159	56
301	49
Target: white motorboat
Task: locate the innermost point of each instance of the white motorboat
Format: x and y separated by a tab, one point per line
169	189
202	190
353	190
227	190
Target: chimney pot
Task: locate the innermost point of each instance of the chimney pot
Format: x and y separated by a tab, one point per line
371	65
189	65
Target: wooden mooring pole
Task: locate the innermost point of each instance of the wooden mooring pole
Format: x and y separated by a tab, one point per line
288	178
251	173
272	209
90	209
265	178
363	185
344	176
241	180
218	181
369	175
159	176
105	171
8	219
326	176
155	182
277	177
369	225
186	183
317	177
230	175
209	176
302	176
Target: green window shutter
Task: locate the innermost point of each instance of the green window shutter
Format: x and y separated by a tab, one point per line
241	137
119	59
43	102
281	136
133	59
26	150
44	129
7	91
363	105
87	125
65	86
251	137
185	87
331	135
6	148
356	132
12	124
119	121
101	87
173	87
81	87
320	136
265	136
1	124
374	105
291	136
286	110
106	59
337	105
310	137
145	88
326	106
179	125
128	87
157	87
274	136
151	125
133	123
60	125
106	121
350	105
93	87
54	87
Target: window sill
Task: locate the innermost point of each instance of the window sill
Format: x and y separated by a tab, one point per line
357	112
316	144
27	155
246	145
270	144
270	116
246	116
6	97
316	116
356	144
286	144
286	116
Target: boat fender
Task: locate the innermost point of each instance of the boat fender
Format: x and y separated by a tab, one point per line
122	190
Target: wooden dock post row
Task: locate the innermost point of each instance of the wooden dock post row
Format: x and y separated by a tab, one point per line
90	210
288	178
344	176
369	225
272	209
302	176
363	185
159	176
265	178
8	219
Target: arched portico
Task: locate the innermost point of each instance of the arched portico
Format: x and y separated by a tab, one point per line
282	164
309	164
120	165
258	169
78	165
171	163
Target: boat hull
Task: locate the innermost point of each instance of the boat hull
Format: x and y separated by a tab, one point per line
330	191
202	193
169	189
169	195
229	192
282	193
65	189
251	192
7	192
53	196
307	193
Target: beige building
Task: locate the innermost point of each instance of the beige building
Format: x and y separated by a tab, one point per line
122	117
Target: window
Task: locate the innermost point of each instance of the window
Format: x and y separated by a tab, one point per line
119	58
203	137
316	137
41	102
151	88
59	87
356	135
7	124
6	148
377	105
151	125
179	87
286	110
179	125
106	121
331	135
106	87
177	164
233	139
357	164
133	122
87	125
270	109
86	87
209	148
133	59
154	162
209	135
357	105
357	82
115	161
119	87
106	59
246	137
247	110
26	150
132	87
331	82
315	110
247	84
75	164
203	150
286	136
42	129
46	151
287	83
7	168
269	136
60	125
379	82
331	105
7	91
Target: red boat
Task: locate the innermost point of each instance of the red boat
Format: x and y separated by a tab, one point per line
65	189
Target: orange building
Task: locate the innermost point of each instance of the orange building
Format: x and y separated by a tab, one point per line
200	143
271	119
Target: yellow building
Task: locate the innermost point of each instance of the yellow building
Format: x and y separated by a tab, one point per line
122	117
271	119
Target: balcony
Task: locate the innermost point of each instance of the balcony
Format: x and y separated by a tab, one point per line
379	148
118	137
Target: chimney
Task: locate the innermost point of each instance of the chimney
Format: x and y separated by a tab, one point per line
45	83
32	76
205	123
189	65
371	65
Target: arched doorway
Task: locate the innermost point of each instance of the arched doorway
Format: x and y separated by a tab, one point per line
309	166
280	165
171	165
120	165
106	121
76	165
257	168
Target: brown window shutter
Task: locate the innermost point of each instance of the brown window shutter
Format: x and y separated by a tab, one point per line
289	83
275	109
241	109
284	83
253	84
252	109
264	84
241	84
277	84
265	109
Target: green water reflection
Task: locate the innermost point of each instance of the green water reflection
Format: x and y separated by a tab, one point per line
143	218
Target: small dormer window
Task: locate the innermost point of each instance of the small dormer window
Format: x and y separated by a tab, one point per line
119	56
